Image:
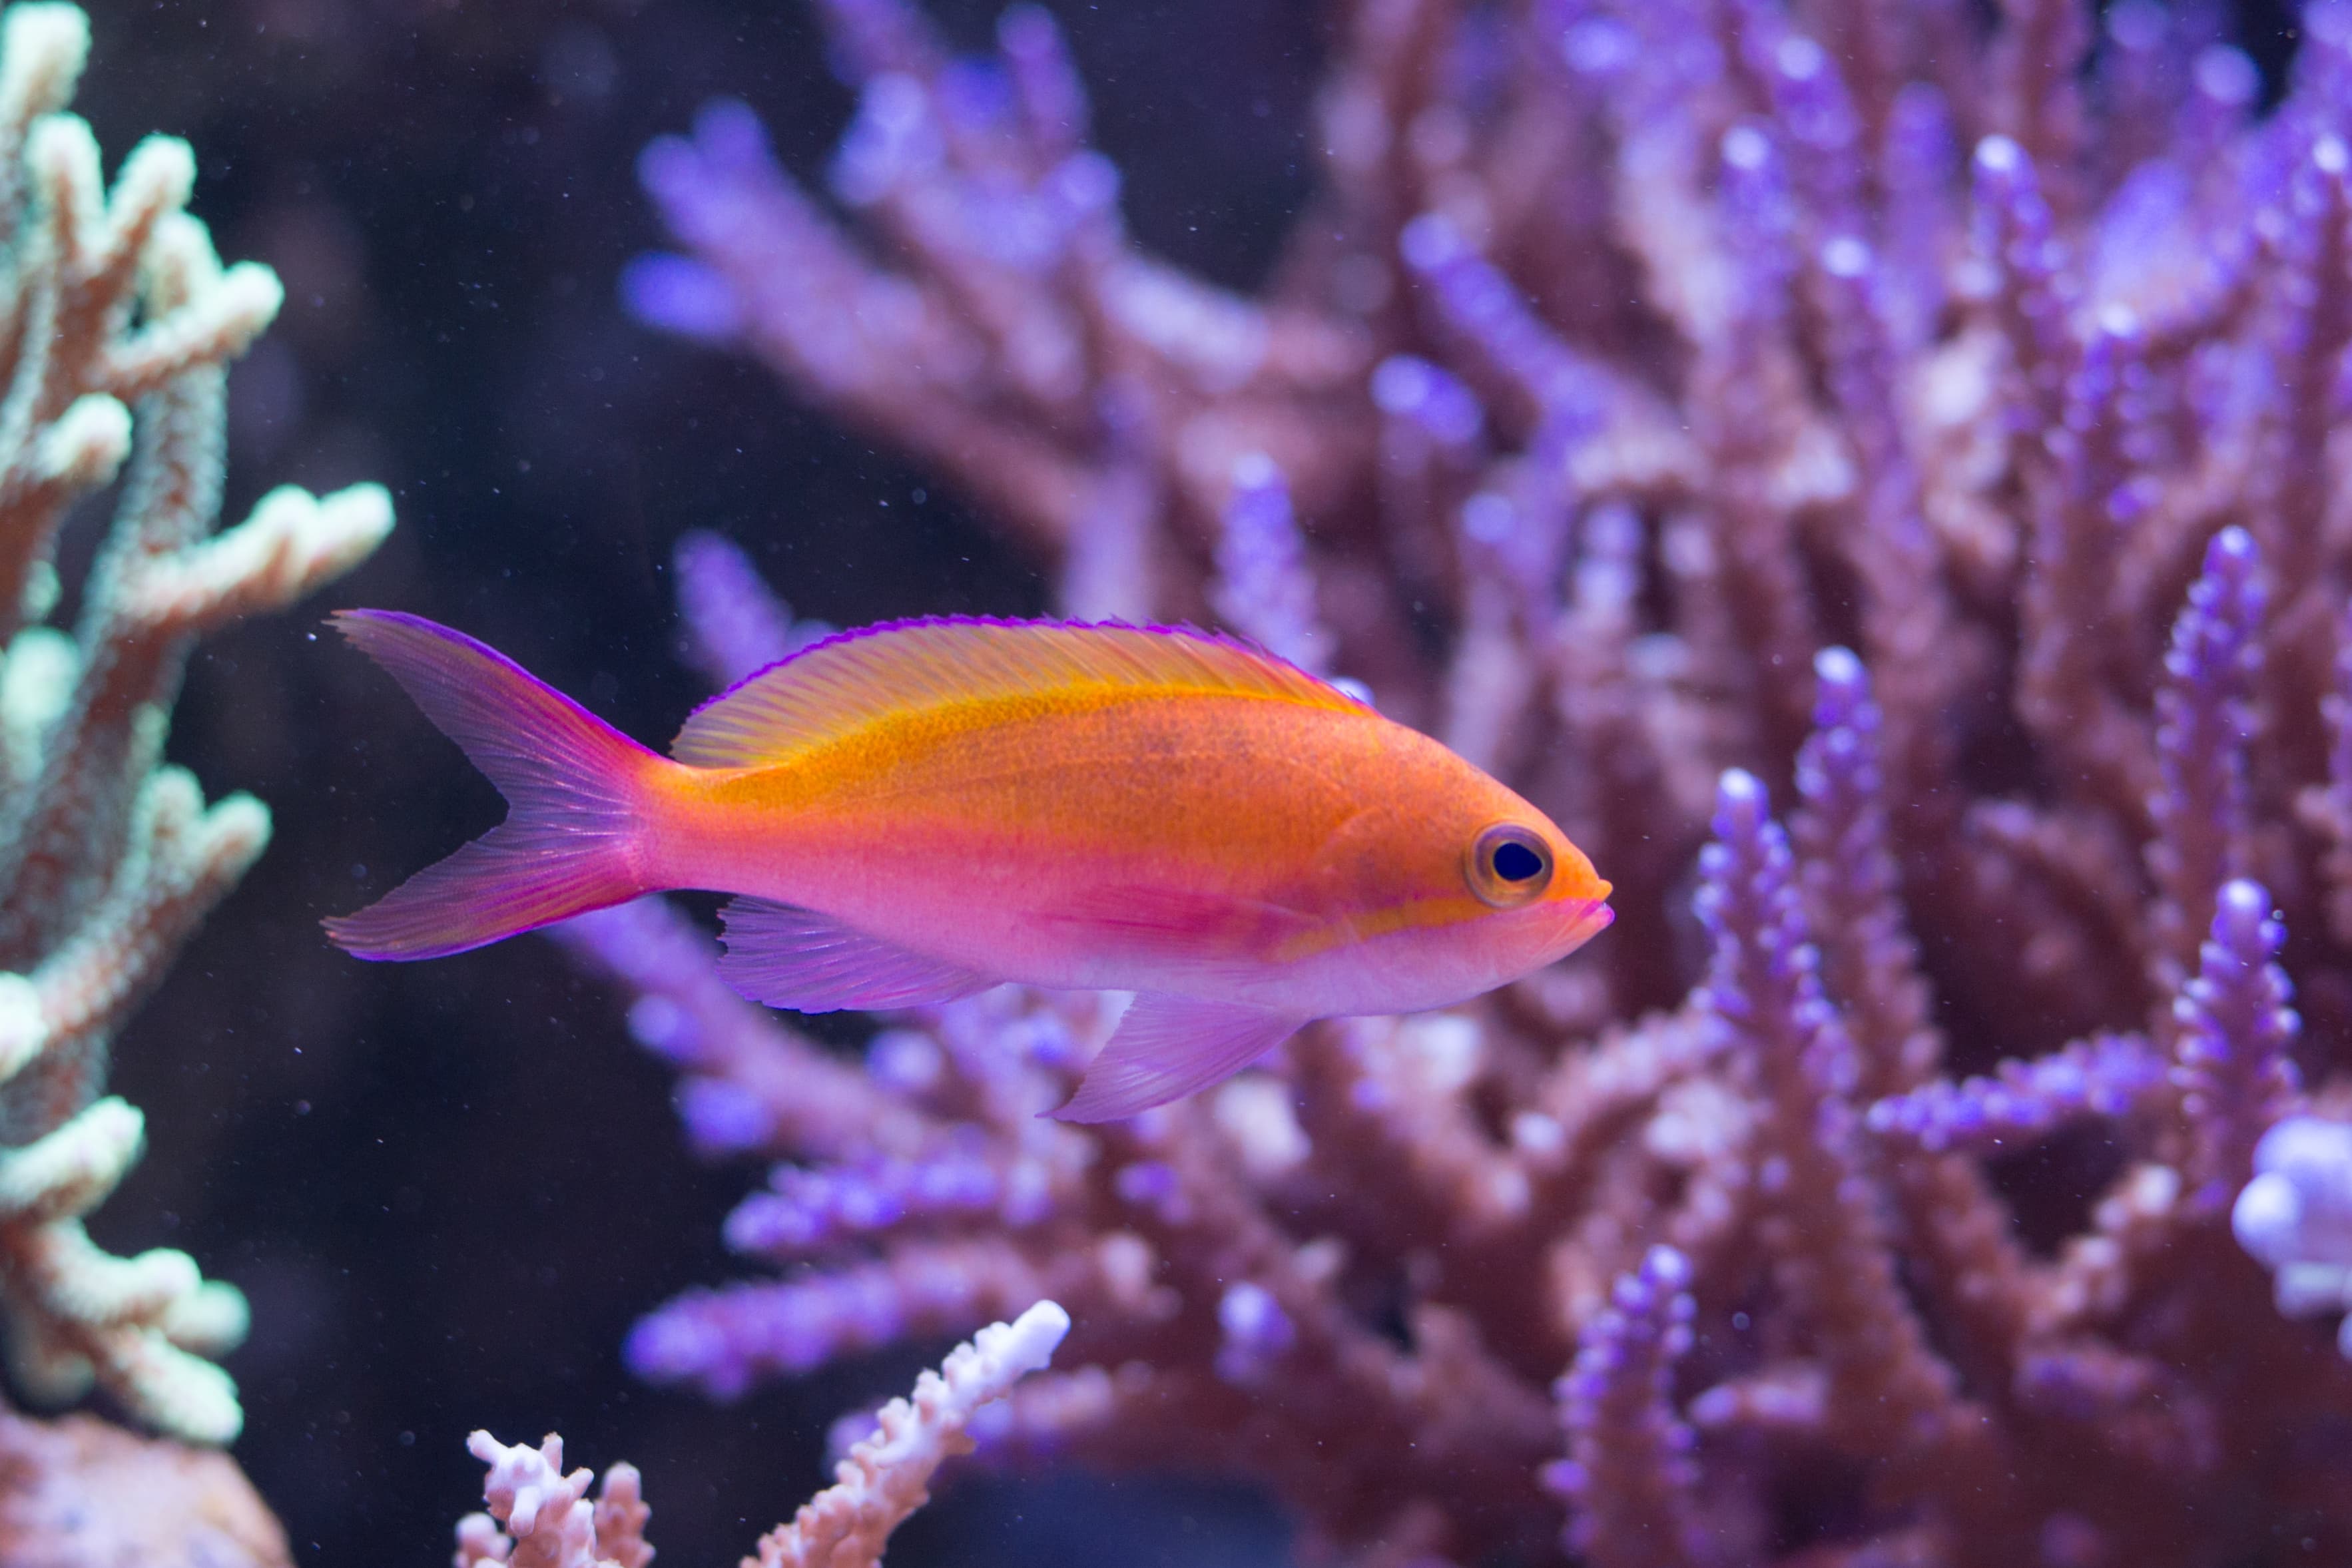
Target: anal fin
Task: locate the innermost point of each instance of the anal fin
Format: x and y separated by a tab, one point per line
1167	1047
786	956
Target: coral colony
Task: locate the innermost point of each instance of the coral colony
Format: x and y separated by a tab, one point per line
116	322
881	1482
1866	470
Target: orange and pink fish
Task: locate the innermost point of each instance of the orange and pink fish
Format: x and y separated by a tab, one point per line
920	811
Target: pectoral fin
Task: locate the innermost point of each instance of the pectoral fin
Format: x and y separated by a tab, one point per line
796	958
1166	1048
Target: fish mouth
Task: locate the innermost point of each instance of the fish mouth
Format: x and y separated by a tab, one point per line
1586	918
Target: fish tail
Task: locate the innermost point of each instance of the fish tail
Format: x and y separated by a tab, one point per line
577	797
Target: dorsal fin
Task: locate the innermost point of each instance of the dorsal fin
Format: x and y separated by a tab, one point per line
843	683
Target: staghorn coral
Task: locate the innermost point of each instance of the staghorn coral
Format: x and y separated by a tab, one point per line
1925	424
116	323
883	1479
553	1523
1629	1480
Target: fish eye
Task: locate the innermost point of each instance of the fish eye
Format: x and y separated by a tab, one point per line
1508	866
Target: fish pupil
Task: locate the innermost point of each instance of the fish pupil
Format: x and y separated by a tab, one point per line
1517	863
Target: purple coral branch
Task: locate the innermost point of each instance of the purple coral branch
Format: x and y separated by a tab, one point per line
1853	887
1265	589
1917	153
2099	489
1763	985
1255	1334
1759	222
2204	723
1817	120
1430	399
2237	1030
1629	1480
870	37
735	624
1474	298
2024	1102
714	189
2085	493
2310	302
1764	979
752	1085
1045	82
727	1340
2328	808
2032	279
809	1211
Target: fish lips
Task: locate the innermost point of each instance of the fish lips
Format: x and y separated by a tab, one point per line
1582	919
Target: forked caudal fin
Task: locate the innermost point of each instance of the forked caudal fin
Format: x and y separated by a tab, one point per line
574	789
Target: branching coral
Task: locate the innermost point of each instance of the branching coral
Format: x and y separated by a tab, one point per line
1680	408
884	1478
116	322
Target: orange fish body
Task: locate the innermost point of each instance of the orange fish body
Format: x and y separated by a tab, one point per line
918	811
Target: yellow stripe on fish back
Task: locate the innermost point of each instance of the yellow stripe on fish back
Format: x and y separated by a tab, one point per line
897	672
1116	768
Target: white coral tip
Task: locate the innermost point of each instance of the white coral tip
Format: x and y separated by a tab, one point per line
2308	1289
524	1482
480	1540
62	149
210	1321
138	1290
315	538
236	829
70	1170
87	444
24	1030
36	683
2265	1219
351	523
2309	1145
1028	1343
180	258
159	177
42	50
243	303
172	802
190	1399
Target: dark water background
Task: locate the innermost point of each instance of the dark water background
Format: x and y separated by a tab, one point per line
449	1189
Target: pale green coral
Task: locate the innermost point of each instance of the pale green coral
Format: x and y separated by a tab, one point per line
111	302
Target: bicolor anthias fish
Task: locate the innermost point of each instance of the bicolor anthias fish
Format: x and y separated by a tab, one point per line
918	811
